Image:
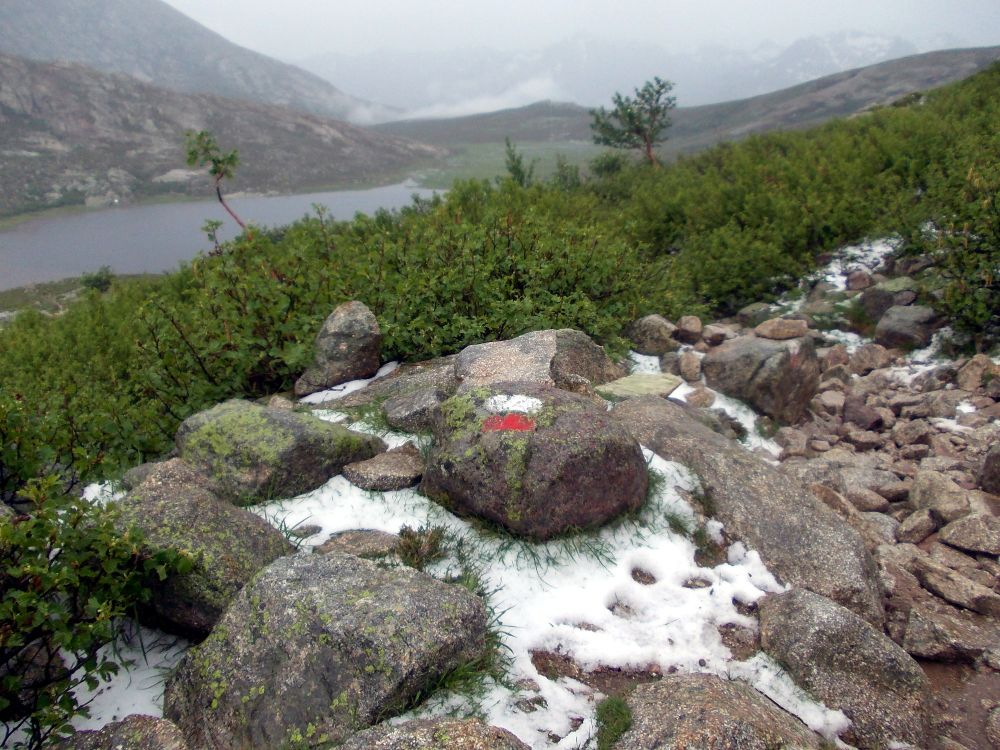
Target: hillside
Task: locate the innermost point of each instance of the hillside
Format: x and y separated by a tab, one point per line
696	128
149	40
70	135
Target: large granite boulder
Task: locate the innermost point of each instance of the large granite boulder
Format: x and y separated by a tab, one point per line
778	378
435	734
175	509
318	647
705	711
800	539
909	327
564	358
535	459
254	453
347	348
847	664
989	474
135	732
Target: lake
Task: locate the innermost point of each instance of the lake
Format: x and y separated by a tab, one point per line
155	238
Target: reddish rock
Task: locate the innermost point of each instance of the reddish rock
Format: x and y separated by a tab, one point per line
781	329
689	329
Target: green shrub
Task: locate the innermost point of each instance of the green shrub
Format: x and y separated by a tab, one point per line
69	576
100	280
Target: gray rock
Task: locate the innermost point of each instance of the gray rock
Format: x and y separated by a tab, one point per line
175	509
367	543
989	475
754	313
713	334
690	366
689	329
347	348
561	358
670	363
778	378
416	411
653	335
253	453
437	374
858	412
848	665
955	588
321	646
940	495
870	357
137	474
394	470
914	432
916	527
811	547
906	327
435	734
883	527
941	633
660	384
971	375
567	465
681	712
135	732
974	533
876	301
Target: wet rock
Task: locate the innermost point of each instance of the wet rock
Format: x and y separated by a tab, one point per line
974	533
321	646
347	348
367	543
135	732
558	463
848	665
870	357
653	335
394	470
916	527
779	378
705	711
227	545
781	329
689	329
660	384
906	327
435	734
553	357
415	411
690	367
253	453
811	547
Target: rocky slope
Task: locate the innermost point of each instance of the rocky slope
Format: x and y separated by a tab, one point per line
70	135
696	128
149	40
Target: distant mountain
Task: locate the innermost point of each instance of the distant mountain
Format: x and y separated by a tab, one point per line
151	41
588	71
70	135
695	128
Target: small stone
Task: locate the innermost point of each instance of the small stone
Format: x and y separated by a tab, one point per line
653	335
858	279
867	500
415	411
906	327
974	533
856	411
970	377
864	440
347	348
914	452
754	313
912	432
820	446
916	527
394	470
689	329
713	335
670	363
792	441
280	402
942	633
831	401
366	543
690	366
701	397
834	356
781	329
870	357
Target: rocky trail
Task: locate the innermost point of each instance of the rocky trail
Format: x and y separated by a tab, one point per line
776	530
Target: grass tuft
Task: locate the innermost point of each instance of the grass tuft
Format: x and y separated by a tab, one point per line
614	718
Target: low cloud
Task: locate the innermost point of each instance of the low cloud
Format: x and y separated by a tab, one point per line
526	92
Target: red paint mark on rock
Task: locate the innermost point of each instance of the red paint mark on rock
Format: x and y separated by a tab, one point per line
508	423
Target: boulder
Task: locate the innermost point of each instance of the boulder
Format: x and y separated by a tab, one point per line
705	711
906	327
689	329
690	366
810	547
321	646
435	734
781	329
414	411
254	454
856	411
175	509
714	334
778	378
916	527
754	313
939	494
535	459
869	357
974	533
857	279
955	588
640	384
347	348
395	470
875	301
653	335
974	372
564	358
367	543
846	664
135	732
989	474
437	374
939	632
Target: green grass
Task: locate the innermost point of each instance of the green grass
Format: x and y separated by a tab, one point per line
614	718
50	296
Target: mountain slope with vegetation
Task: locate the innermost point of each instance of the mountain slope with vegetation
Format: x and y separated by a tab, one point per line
151	41
70	135
696	128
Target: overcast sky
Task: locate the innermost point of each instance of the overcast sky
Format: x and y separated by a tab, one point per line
293	29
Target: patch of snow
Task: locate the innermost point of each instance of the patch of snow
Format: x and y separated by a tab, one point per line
949	424
643	363
502	404
965	408
851	341
102	493
343	389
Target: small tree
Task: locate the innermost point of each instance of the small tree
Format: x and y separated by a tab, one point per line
203	151
521	173
638	122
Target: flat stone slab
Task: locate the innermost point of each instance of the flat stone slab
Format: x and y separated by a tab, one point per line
395	470
640	384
